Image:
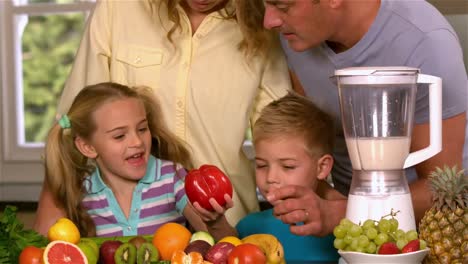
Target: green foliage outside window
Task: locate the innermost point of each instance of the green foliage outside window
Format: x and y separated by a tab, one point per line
49	45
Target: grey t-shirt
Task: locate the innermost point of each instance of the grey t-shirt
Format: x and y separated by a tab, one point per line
404	33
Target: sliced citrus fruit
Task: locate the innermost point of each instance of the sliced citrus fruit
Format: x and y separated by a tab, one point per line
180	257
63	252
231	239
64	229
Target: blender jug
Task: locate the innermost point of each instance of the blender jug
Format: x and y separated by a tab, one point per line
377	109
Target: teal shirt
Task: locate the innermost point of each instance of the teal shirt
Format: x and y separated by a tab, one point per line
296	248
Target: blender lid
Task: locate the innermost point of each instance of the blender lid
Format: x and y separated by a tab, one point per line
366	71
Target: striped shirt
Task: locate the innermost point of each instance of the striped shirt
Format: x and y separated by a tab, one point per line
158	198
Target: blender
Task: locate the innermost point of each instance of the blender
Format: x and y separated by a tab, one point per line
377	108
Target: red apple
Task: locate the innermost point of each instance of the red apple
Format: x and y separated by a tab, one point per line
200	246
107	251
219	253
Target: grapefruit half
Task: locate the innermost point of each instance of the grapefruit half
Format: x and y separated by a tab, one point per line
62	252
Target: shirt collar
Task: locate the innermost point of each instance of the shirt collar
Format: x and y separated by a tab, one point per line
95	184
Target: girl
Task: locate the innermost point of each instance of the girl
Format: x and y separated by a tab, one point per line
115	169
204	64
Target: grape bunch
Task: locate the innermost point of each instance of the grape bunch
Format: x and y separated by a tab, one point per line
370	235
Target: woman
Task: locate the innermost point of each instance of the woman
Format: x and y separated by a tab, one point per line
211	74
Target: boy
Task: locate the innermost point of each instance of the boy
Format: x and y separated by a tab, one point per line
293	140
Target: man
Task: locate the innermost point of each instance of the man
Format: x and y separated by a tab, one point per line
319	36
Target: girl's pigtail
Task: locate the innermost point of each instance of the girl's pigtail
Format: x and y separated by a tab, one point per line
65	173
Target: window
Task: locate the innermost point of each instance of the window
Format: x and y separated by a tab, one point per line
38	42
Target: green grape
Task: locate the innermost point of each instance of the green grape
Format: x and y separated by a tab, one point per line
411	235
371	233
384	225
347	239
339	243
355	230
371	248
422	244
345	222
401	243
381	238
393	224
360	249
354	244
363	241
339	231
368	224
400	234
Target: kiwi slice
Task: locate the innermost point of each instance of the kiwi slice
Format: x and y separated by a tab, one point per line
147	253
125	254
137	241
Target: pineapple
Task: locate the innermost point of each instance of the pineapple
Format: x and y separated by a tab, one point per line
445	225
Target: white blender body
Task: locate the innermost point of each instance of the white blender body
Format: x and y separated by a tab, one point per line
377	109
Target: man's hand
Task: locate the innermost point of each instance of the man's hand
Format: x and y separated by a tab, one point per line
295	204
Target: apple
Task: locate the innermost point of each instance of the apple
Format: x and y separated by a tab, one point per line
207	182
202	235
200	246
107	251
219	253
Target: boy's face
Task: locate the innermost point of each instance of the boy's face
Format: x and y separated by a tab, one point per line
122	140
282	161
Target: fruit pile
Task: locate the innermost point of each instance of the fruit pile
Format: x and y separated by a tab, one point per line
376	237
170	243
255	249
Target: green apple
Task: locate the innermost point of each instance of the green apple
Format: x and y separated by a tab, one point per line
202	235
92	243
90	250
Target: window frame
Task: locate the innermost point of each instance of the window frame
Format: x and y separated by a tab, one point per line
21	166
14	149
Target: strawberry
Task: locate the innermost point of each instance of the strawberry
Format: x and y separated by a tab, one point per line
388	248
413	245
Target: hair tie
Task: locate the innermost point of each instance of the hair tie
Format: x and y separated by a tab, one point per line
64	122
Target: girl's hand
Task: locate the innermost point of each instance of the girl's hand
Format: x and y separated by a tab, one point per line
212	216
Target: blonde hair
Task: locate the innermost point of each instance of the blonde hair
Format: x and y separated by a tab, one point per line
249	15
257	39
296	116
67	168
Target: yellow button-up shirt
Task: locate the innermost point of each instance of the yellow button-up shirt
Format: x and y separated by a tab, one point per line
208	89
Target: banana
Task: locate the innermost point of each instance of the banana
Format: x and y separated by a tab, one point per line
270	245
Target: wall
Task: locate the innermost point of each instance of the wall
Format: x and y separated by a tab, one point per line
460	24
456	12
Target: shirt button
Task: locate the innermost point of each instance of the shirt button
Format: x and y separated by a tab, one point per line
199	36
129	228
136	210
137	60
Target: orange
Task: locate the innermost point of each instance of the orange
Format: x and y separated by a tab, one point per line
231	239
180	257
171	237
64	229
